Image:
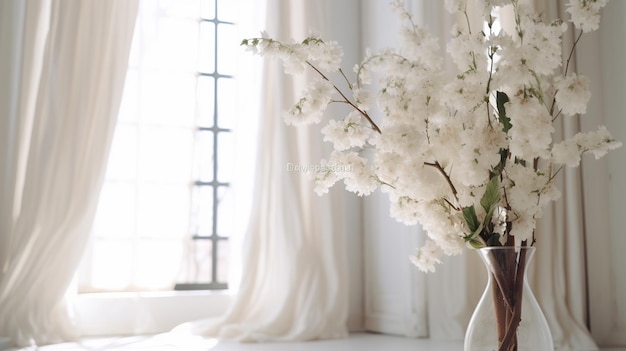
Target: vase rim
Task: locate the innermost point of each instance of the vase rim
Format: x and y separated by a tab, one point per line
507	248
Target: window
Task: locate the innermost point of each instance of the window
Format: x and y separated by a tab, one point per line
167	208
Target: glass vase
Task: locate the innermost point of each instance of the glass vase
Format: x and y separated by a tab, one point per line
507	317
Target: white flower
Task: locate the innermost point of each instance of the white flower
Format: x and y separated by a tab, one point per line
464	93
420	46
445	136
324	55
420	181
347	133
442	227
572	94
569	151
403	139
362	98
566	153
427	256
532	129
325	177
310	108
456	6
526	189
541	45
499	221
479	154
404	209
467	50
397	6
357	175
522	228
585	13
598	142
443	142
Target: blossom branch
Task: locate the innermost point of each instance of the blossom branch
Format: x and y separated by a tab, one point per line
346	79
571	53
569	59
437	165
363	113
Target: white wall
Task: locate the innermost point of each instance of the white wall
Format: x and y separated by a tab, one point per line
393	301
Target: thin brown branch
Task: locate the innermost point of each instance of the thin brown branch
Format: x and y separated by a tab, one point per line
510	338
445	175
363	113
567	63
346	79
571	53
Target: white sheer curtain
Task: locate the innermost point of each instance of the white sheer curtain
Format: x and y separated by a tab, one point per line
602	57
64	72
294	275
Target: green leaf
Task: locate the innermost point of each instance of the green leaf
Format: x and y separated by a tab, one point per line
469	213
474	225
501	99
491	197
494	240
475	233
497	170
490	201
477	244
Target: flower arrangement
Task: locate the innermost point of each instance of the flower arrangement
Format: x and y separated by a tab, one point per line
470	155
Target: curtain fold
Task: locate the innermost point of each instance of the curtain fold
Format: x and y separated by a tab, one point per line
70	60
294	280
562	290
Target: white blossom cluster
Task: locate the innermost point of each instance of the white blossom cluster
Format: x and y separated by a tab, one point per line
469	155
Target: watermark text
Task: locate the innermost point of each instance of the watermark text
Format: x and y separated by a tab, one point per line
316	168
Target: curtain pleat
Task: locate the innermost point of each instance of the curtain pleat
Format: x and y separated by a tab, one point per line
294	280
73	63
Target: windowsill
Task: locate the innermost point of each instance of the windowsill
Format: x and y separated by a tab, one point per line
138	313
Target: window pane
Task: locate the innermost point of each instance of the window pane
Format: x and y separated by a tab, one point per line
227	10
116	210
225	211
203	211
222	261
179	9
207	9
226	103
166	154
123	155
228	48
153	201
170	43
108	273
168	98
163	210
198	264
226	155
129	108
157	262
204	156
206	57
205	95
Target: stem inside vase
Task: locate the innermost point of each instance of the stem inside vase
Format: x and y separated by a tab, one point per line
507	270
